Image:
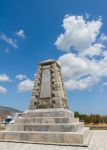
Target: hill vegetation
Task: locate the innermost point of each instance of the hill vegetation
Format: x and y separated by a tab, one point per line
93	118
4	111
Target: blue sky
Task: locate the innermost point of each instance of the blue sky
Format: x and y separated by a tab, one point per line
72	32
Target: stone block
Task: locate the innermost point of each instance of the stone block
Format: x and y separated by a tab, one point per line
61	138
36	87
51	112
71	127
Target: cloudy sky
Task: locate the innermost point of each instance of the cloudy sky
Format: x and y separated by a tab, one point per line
71	32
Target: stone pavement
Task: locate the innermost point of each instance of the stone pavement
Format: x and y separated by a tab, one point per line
97	142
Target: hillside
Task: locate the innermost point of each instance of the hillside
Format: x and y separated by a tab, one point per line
8	111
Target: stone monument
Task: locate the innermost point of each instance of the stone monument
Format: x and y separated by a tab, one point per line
48	120
48	91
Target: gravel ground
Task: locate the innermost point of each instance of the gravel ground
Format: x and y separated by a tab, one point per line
98	142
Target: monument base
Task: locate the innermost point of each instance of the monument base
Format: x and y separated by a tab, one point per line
47	126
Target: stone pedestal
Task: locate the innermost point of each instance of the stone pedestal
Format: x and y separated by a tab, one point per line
48	120
47	126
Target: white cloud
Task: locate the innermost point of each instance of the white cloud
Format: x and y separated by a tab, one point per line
25	85
20	33
3	90
103	37
86	63
81	84
79	33
77	70
8	40
4	78
94	50
21	77
72	66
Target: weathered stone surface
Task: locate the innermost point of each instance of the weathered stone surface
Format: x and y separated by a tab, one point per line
45	90
46	120
45	137
48	80
53	112
71	127
97	142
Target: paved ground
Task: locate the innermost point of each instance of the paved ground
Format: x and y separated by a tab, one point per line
98	142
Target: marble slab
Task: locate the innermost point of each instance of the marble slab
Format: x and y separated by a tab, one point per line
45	91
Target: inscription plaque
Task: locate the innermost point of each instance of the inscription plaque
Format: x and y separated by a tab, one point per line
45	91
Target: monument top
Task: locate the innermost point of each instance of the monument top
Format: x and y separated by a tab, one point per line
49	62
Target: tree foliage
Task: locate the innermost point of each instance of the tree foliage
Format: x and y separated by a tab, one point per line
93	118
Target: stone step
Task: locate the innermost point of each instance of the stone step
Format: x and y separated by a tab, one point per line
71	127
62	138
43	120
59	112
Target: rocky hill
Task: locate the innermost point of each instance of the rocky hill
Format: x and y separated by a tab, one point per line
8	111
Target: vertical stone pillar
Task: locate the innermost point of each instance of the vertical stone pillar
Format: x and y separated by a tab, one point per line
48	91
36	90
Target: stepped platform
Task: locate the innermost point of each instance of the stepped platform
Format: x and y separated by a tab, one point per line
47	126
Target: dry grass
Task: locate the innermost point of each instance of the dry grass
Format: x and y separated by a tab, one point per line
98	125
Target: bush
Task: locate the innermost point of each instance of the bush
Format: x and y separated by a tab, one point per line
93	118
